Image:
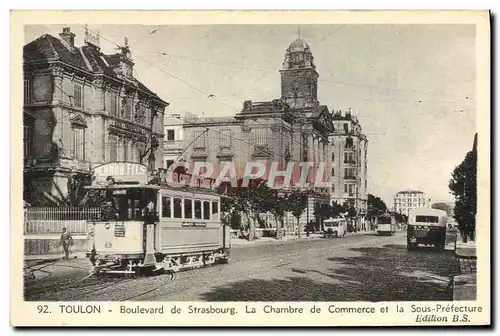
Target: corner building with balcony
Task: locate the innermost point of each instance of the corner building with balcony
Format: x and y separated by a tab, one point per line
83	108
349	157
292	128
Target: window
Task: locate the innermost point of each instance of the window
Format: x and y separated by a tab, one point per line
28	140
119	149
133	151
333	156
166	207
168	163
426	219
349	173
206	209
125	150
346	127
349	189
200	137
197	209
225	138
215	210
147	117
114	105
348	142
140	148
27	91
177	207
78	143
333	171
333	188
127	109
113	143
188	208
78	95
170	135
349	157
260	136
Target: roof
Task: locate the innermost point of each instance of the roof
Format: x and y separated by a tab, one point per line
430	211
410	192
298	45
86	58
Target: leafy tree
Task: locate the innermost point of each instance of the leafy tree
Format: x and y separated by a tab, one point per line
443	206
463	186
296	204
400	218
376	206
249	201
325	210
277	205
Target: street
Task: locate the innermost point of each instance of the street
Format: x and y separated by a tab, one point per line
358	267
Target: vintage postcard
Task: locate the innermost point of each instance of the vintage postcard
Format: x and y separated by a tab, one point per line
233	168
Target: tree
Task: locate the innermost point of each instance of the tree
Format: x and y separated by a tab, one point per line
296	204
443	206
463	186
400	218
376	206
249	201
278	205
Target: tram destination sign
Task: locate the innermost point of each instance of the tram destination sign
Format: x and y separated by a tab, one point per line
120	172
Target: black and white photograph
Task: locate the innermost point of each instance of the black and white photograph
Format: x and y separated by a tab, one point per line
260	162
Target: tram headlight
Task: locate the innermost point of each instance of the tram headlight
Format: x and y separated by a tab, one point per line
107	226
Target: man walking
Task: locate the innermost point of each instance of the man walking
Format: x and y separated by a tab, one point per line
66	242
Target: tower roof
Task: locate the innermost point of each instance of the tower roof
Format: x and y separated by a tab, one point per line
298	45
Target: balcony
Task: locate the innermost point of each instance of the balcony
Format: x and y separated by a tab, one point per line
350	161
199	153
349	177
174	144
225	153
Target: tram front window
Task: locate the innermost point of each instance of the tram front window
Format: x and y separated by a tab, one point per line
131	204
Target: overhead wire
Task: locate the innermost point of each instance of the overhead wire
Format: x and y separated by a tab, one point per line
206	93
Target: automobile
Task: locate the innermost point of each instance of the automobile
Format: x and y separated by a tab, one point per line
335	227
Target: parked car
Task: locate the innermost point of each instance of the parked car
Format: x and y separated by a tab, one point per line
335	227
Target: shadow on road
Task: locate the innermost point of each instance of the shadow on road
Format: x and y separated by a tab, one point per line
390	273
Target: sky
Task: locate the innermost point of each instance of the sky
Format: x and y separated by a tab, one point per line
411	86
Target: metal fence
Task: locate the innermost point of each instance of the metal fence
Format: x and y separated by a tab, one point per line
51	220
62	214
54	227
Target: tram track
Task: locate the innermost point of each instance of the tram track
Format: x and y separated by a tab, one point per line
245	269
133	288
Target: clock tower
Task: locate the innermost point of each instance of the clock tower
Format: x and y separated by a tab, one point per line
299	78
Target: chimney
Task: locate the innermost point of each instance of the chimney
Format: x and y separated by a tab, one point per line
68	37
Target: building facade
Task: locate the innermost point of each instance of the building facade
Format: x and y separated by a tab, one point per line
83	108
293	128
406	200
173	140
349	171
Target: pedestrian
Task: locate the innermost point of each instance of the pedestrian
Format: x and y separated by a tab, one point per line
66	242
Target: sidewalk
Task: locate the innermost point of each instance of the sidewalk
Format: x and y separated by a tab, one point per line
33	260
464	283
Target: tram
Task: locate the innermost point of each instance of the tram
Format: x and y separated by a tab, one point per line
427	227
386	225
148	225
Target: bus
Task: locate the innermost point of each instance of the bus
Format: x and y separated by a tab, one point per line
426	226
150	226
386	225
